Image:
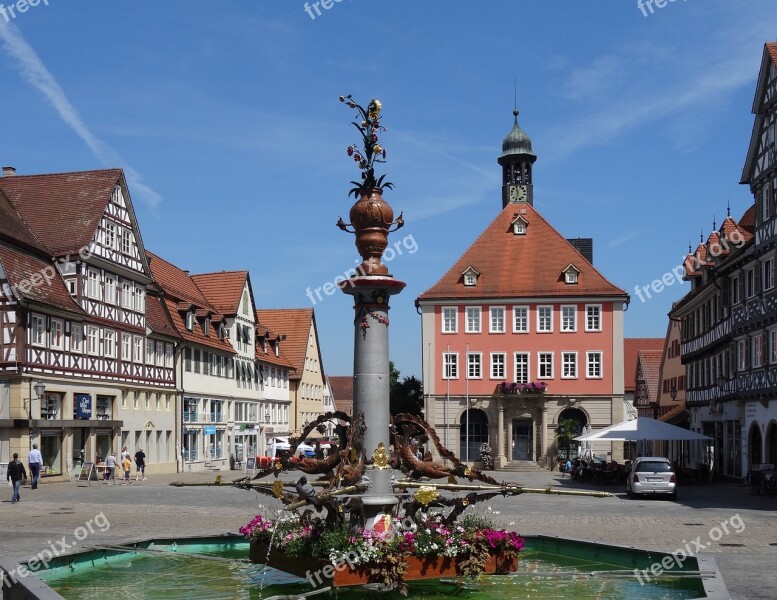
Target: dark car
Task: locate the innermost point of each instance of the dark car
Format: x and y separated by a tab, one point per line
652	476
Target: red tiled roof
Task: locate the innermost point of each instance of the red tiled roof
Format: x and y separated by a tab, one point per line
631	347
269	357
63	210
176	282
294	323
650	362
747	222
196	335
527	265
771	48
342	392
224	290
20	268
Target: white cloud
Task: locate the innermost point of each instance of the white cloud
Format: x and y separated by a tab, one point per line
34	72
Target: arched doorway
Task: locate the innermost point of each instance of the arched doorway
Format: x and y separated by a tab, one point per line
474	431
754	445
571	423
771	443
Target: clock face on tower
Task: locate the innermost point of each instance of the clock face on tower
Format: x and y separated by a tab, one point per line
517	193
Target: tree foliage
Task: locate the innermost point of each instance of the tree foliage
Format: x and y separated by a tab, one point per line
405	395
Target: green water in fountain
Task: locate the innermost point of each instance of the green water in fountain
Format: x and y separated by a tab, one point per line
227	575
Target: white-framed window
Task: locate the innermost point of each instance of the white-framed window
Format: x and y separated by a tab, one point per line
521	367
545	365
55	334
450	321
93	284
757	345
110	235
497	320
137	349
169	356
140	300
735	299
473	319
474	365
127	290
190	321
520	319
92	340
498	363
570	276
749	283
150	354
126	241
594	365
593	317
768	273
160	354
109	343
126	346
773	346
569	365
741	355
470	279
765	203
450	365
38	331
569	318
544	319
110	289
77	338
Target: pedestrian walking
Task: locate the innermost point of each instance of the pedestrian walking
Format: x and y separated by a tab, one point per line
16	474
140	462
110	468
35	461
126	465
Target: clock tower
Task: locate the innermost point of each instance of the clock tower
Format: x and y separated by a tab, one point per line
517	159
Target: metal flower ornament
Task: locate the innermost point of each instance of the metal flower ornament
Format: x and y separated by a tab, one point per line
371	150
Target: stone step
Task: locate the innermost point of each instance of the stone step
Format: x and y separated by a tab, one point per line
522	466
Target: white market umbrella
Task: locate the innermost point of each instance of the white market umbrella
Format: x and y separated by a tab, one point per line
642	428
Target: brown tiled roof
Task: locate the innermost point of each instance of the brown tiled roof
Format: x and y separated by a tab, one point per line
21	266
514	266
223	290
342	392
294	323
631	347
12	228
157	318
269	357
747	222
63	209
176	282
196	335
650	361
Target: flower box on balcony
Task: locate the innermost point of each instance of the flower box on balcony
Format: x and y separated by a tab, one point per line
534	387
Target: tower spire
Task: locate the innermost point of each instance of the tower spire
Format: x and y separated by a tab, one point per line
517	160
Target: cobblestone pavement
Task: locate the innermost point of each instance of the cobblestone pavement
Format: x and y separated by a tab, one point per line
747	559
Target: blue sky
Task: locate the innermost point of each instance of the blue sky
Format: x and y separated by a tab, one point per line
225	117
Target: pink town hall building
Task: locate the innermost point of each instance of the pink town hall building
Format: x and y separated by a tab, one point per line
521	333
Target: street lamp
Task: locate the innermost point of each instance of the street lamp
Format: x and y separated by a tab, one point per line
673	393
716	406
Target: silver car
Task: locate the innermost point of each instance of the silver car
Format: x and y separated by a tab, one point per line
652	475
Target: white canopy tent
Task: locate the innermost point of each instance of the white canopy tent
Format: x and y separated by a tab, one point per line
282	443
642	428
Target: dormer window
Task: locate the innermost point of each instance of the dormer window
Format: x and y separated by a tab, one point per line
519	225
190	320
571	274
206	326
470	277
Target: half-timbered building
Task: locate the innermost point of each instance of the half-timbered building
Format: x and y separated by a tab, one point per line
75	347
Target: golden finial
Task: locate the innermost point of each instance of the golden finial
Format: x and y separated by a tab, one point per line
426	494
380	457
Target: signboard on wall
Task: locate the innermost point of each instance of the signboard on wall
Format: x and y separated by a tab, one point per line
83	406
209	430
3	471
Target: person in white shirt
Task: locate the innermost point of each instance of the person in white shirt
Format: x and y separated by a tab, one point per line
35	461
110	467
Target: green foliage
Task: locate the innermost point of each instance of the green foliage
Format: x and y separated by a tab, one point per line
568	429
332	539
405	396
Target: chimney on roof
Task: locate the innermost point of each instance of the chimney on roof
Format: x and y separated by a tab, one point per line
9	171
584	246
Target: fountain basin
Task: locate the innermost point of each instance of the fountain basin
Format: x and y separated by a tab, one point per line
218	567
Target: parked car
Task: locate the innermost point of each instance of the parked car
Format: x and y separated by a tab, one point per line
652	476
